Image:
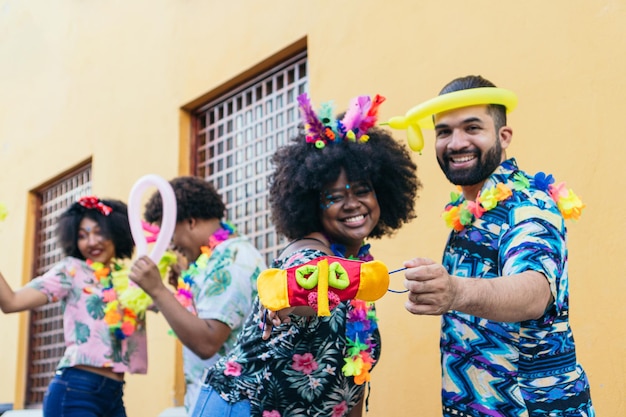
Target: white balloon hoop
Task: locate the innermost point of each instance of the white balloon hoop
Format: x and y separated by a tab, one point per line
168	221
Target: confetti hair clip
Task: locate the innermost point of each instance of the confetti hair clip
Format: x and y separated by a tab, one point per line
323	129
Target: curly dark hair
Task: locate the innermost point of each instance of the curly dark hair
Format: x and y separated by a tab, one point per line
302	170
115	226
195	198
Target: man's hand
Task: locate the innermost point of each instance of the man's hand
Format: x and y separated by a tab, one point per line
173	274
432	291
145	273
510	298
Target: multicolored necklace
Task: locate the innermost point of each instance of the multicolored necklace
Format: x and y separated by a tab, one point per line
363	255
184	292
125	303
360	326
460	213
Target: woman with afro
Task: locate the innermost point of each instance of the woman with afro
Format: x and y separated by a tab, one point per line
335	185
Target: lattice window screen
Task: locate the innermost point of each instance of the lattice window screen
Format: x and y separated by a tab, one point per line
46	331
237	133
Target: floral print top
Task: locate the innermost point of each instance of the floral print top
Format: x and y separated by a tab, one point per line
87	336
297	372
224	291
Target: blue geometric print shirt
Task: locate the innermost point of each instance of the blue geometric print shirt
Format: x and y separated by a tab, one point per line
526	368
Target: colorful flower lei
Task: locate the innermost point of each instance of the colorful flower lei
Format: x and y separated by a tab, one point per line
362	322
459	212
340	250
125	304
184	293
360	327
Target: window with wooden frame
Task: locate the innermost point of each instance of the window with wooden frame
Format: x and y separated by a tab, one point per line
234	137
46	341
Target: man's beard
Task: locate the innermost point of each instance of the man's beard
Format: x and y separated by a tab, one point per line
477	174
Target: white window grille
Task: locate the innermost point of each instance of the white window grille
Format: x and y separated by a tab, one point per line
235	136
46	323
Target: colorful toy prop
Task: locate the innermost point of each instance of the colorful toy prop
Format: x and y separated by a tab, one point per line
322	284
168	222
420	116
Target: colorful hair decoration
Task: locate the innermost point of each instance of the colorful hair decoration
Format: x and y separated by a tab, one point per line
94	203
322	128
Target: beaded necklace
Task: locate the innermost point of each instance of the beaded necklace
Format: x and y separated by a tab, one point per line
360	326
184	292
125	304
460	213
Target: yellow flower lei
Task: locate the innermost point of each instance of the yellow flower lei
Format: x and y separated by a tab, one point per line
125	303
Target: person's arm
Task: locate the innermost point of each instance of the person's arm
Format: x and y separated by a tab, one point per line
512	298
357	410
202	337
20	300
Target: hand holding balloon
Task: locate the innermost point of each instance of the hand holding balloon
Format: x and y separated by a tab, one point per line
168	222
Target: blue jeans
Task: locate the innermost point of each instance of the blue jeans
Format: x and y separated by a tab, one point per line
79	393
210	404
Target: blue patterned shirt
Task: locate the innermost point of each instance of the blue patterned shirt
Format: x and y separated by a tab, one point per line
526	368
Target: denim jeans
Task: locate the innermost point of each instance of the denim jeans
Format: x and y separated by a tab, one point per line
78	393
210	404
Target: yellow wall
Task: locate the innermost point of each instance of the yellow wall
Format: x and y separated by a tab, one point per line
107	80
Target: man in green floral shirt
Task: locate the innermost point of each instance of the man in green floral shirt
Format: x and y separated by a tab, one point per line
214	293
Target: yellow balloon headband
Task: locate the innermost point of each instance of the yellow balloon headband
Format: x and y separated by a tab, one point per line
420	116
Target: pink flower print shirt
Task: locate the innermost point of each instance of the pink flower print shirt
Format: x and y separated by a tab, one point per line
87	337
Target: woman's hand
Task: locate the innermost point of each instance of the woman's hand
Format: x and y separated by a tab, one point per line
270	318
